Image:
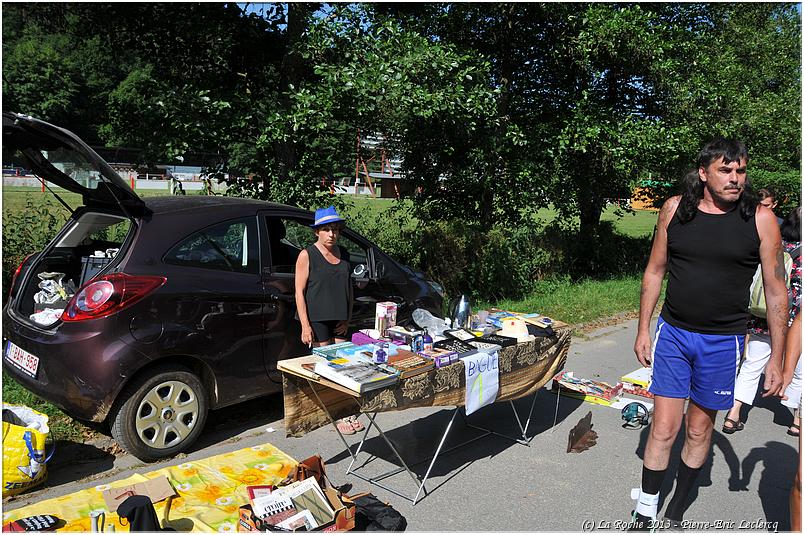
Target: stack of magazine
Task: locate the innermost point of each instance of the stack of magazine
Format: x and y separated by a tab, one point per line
352	367
300	505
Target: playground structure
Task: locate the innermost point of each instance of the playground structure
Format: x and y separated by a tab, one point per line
385	180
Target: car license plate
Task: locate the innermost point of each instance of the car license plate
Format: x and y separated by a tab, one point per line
22	359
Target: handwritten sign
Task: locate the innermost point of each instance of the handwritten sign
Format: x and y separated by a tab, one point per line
482	379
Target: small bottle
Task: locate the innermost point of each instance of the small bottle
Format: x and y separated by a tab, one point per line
380	356
428	341
417	344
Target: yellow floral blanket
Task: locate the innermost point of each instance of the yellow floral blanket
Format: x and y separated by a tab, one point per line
209	492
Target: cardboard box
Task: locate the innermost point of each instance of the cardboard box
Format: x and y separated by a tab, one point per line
385	316
344	516
402	336
156	489
344	508
441	357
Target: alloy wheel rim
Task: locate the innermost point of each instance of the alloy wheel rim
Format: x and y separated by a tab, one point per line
167	414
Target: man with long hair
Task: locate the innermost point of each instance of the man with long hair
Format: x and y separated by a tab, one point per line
709	241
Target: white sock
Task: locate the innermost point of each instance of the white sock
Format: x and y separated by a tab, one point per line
647	504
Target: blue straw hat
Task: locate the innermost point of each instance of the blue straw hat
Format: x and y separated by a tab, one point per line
325	216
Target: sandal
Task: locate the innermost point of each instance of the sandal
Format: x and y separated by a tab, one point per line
736	425
795	433
356	425
345	426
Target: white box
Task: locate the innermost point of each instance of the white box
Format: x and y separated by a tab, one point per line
385	316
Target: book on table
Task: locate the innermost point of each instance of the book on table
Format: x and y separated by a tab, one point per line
440	357
356	372
409	364
463	349
332	349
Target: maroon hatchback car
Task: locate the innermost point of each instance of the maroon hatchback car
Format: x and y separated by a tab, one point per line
146	313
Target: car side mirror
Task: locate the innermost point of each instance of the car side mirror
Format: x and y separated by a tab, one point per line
380	268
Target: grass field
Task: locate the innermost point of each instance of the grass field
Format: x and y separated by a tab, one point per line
637	224
574	303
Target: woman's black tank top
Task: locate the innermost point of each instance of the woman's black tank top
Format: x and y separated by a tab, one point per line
327	294
711	262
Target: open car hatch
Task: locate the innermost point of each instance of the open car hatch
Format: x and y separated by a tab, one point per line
60	157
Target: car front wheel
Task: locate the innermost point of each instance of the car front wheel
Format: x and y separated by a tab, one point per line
161	413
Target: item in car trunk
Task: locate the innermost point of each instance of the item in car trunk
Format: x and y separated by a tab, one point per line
47	316
53	292
91	266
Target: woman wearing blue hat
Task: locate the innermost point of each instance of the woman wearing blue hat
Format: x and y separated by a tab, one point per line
324	290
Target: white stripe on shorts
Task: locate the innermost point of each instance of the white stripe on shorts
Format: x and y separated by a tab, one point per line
653	354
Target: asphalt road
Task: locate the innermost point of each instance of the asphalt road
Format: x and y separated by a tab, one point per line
494	484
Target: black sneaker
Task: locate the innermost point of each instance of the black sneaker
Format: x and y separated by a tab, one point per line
640	522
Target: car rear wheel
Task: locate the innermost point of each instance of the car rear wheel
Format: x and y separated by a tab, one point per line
161	413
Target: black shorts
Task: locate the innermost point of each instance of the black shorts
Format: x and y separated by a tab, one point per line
324	331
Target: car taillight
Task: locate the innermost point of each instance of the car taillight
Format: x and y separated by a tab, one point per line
16	274
108	295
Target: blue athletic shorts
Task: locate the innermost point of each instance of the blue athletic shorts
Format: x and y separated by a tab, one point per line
699	366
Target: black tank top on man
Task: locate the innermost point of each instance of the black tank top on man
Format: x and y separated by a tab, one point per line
711	262
327	293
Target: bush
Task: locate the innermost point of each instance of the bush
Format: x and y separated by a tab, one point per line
504	262
25	232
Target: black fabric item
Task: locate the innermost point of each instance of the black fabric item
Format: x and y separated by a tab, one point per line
140	514
652	480
328	285
374	515
684	481
711	262
537	331
34	523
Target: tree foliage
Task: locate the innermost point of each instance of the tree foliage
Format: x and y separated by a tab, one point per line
496	109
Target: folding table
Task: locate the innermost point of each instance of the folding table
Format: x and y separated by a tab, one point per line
312	401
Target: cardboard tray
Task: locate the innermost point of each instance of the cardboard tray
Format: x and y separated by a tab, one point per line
313	466
344	516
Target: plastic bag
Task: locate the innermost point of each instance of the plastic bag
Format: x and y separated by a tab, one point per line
24	462
53	289
47	316
424	319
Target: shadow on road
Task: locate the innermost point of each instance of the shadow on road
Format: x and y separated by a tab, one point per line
416	441
778	461
73	461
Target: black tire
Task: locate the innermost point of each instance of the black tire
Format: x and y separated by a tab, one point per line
160	413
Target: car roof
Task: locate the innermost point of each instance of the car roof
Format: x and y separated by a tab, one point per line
177	203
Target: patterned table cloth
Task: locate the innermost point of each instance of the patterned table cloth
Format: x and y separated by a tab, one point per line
524	369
